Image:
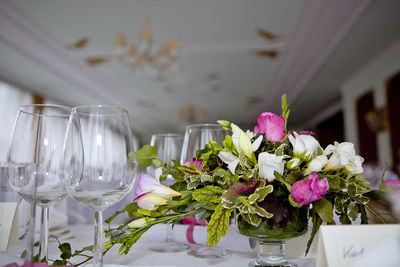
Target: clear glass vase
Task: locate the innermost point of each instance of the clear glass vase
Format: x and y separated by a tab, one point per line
271	237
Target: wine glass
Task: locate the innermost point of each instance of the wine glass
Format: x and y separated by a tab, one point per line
100	168
169	147
197	137
37	147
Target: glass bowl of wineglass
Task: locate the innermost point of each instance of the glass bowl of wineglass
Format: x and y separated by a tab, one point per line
99	164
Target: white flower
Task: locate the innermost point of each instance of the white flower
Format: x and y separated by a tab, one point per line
304	146
230	159
250	134
268	164
293	163
344	156
236	132
245	145
139	223
316	164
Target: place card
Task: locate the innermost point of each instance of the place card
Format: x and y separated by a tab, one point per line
8	223
344	245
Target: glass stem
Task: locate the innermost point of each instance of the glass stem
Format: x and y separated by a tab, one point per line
98	239
44	234
272	253
170	234
31	233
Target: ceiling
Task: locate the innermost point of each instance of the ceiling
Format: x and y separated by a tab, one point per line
321	44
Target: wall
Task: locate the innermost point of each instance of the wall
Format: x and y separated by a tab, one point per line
374	75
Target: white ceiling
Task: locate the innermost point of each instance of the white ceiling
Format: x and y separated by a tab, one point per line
322	43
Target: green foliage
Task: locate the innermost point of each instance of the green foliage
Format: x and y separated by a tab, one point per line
208	194
146	155
218	225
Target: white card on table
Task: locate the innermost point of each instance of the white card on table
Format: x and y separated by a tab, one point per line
8	223
344	245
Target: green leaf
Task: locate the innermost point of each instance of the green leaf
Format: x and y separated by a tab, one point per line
344	219
145	155
262	212
131	209
208	194
324	209
262	192
225	124
352	189
157	163
382	183
334	183
316	221
65	248
218	225
292	201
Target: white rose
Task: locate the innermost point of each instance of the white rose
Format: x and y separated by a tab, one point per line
316	164
344	156
304	146
268	164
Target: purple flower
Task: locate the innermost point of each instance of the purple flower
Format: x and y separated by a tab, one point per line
309	189
150	193
196	163
271	125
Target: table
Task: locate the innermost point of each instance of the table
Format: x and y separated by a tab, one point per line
140	255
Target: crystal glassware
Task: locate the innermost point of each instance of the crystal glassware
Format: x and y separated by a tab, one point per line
18	212
99	164
169	147
197	136
37	147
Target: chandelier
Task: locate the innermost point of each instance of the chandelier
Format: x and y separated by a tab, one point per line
142	58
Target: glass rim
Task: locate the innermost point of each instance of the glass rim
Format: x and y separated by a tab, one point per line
199	125
67	109
168	135
117	110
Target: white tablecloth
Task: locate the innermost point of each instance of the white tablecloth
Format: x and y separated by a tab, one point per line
140	255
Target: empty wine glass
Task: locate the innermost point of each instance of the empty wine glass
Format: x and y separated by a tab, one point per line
37	147
100	168
169	147
197	137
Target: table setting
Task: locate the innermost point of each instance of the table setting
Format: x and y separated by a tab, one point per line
217	195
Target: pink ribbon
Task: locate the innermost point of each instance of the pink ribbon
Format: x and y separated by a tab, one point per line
191	220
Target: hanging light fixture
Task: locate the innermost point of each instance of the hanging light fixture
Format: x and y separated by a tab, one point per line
142	58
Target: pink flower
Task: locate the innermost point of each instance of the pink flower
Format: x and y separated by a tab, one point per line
393	183
150	193
272	126
196	163
309	189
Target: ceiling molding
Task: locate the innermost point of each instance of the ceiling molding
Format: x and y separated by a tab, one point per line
28	39
316	34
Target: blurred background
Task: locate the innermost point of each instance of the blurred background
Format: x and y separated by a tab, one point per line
177	62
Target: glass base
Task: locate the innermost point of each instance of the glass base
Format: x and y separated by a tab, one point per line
209	252
168	246
258	263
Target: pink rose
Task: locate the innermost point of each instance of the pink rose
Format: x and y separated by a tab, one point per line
271	125
196	163
309	189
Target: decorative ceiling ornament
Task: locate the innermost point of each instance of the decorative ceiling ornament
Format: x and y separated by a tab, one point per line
270	53
141	58
190	113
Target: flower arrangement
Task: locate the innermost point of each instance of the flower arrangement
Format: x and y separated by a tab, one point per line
262	174
265	174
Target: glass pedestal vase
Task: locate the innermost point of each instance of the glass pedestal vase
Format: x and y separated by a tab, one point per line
271	237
